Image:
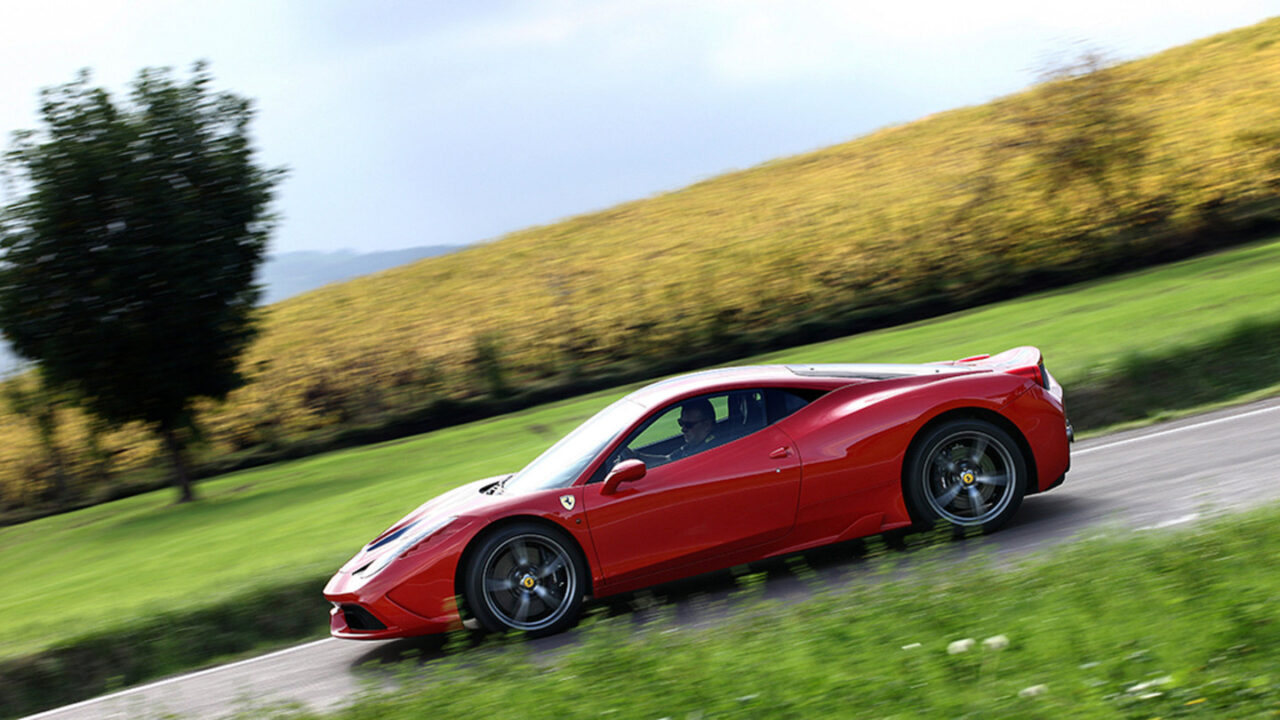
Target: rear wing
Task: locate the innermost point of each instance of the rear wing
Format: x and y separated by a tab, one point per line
1026	361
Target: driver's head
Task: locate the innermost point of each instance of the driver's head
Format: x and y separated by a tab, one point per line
696	420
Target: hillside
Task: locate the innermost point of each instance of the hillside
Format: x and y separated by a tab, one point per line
1160	157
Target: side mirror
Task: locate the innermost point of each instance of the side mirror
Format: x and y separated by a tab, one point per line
625	471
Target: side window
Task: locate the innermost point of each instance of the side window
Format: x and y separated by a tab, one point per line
784	402
684	429
692	426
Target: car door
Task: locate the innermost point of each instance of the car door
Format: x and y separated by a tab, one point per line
689	509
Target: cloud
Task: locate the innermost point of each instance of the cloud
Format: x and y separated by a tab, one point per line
763	41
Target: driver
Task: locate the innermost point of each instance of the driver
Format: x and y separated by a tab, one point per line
697	424
697	421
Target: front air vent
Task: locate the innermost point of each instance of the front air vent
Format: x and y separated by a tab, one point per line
389	537
360	619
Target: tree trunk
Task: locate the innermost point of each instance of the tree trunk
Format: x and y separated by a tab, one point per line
47	422
99	456
61	479
181	474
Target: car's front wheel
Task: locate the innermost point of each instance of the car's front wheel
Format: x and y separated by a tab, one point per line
525	577
968	473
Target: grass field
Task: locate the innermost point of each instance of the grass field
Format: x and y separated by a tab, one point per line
123	561
1090	329
1152	625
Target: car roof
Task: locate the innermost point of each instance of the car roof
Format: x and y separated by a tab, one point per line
823	376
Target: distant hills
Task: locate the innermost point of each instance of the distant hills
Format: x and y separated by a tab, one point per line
284	275
287	274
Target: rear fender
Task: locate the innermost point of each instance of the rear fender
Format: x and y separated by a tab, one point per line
853	441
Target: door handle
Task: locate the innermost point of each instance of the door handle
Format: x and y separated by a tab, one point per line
780	453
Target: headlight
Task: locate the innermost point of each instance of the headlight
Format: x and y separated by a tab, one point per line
412	535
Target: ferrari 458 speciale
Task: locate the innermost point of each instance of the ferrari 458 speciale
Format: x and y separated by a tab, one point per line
707	471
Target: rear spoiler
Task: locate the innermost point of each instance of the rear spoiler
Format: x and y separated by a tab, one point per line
1026	361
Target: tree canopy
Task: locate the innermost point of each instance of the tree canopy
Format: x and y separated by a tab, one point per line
130	254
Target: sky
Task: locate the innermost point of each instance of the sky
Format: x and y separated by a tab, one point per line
451	122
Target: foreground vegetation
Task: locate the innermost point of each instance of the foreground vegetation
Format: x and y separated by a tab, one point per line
1082	176
124	590
1148	625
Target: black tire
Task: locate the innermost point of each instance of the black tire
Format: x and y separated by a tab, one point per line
528	577
967	473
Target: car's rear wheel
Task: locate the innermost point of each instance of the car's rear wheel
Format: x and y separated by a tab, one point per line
967	473
525	577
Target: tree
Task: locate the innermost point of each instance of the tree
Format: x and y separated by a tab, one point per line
129	257
1078	127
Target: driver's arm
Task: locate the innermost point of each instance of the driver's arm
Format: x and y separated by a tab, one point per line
650	459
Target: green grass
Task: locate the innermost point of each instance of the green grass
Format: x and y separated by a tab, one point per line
1152	625
121	563
1088	330
269	526
276	524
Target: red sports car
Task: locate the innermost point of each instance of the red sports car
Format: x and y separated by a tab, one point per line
710	470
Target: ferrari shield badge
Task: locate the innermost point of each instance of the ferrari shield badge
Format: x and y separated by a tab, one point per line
567	501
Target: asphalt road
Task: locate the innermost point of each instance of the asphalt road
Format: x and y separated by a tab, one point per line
1143	480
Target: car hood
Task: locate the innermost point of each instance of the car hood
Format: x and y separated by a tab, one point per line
465	500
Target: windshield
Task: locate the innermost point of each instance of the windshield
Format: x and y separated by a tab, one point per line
560	465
